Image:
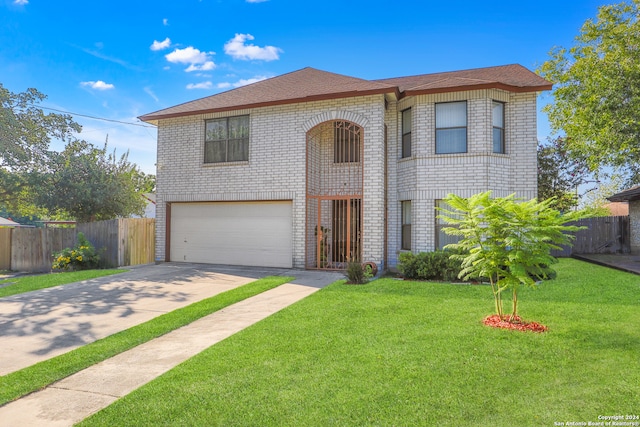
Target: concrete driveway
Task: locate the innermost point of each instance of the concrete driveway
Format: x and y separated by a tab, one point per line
39	325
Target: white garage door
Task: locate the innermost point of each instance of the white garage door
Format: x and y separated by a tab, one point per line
234	233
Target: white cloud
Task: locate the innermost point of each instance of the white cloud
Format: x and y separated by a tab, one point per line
203	85
241	82
197	60
21	2
188	55
207	66
237	48
165	22
151	94
99	85
156	45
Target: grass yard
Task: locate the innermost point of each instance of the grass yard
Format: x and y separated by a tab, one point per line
33	378
18	285
397	353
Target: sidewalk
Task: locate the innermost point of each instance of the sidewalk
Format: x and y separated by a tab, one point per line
80	395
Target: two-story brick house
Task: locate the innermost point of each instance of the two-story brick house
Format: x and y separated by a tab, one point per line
311	169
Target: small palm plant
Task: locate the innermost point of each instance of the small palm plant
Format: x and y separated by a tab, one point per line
506	240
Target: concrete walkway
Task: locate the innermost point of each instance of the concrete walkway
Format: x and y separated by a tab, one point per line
151	290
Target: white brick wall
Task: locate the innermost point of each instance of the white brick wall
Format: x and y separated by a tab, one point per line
426	176
276	166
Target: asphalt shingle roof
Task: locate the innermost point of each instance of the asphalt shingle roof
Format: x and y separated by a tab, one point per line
310	84
629	194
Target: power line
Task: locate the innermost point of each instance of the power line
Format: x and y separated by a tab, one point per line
96	118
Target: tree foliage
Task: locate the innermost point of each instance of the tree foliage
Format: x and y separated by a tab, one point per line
559	174
83	182
506	240
25	135
91	184
26	131
595	200
597	90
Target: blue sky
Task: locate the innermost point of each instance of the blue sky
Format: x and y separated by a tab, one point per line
120	59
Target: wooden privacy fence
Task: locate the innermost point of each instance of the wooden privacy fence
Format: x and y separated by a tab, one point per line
125	241
120	242
5	249
602	235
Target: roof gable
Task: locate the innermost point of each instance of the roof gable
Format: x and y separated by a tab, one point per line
307	84
310	84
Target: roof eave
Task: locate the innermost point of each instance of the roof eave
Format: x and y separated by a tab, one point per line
492	85
153	118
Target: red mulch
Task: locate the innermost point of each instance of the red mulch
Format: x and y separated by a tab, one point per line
516	323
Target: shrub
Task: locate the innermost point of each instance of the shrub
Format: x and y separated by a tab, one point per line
436	265
358	274
82	256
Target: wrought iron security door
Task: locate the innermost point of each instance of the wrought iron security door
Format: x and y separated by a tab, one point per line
334	195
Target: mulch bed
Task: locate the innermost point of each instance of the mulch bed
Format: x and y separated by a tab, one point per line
515	323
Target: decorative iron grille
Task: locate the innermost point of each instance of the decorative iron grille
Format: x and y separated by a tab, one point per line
334	195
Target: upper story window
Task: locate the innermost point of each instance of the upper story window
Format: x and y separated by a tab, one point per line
498	127
346	142
226	140
405	243
451	127
406	133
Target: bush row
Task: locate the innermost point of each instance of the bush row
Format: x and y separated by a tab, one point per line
436	265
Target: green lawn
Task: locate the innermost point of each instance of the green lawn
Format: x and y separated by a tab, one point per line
33	378
398	353
18	285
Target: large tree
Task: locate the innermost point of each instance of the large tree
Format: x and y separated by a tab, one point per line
559	174
26	133
83	182
91	184
597	90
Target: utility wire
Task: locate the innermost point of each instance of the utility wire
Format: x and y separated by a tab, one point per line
96	118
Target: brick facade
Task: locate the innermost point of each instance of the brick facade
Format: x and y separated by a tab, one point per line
426	177
277	149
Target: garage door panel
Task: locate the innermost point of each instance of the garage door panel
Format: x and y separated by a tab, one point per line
236	233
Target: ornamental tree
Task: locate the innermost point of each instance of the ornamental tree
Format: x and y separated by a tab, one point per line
506	240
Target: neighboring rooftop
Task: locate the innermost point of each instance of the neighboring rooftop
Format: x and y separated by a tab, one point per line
310	84
4	222
629	195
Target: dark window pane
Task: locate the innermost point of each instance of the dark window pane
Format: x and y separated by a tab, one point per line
406	237
406	145
406	225
346	143
451	140
498	140
215	152
238	127
216	130
238	150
